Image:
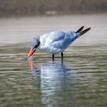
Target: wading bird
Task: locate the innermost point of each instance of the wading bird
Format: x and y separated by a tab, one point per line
55	42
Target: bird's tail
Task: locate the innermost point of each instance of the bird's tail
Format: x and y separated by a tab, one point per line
81	31
84	31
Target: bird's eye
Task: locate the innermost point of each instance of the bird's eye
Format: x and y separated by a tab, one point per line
37	44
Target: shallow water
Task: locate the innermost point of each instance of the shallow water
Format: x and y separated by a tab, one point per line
80	81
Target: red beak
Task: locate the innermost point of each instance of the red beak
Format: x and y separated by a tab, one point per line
31	52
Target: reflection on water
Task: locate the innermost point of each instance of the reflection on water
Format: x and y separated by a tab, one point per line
55	78
80	81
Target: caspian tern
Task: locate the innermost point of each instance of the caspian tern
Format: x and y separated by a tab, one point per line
55	42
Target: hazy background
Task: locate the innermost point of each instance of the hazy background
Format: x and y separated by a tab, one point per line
20	20
51	7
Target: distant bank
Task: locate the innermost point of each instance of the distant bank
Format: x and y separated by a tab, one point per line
51	7
23	29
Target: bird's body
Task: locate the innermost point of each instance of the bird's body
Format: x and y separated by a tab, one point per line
57	41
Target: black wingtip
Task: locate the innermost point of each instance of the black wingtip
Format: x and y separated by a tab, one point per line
84	31
80	29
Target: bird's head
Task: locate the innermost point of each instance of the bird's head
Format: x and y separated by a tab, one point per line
35	45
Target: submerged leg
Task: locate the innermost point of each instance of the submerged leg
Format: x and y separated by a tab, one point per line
61	56
53	57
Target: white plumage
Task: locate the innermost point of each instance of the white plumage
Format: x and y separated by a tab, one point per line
55	42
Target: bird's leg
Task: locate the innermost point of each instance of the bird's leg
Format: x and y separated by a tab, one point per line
53	57
61	56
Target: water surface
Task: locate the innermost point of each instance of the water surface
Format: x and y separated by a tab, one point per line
79	81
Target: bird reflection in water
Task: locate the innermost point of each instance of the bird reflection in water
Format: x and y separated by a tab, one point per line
55	78
33	66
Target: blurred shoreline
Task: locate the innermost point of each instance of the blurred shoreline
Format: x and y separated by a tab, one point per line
16	8
53	15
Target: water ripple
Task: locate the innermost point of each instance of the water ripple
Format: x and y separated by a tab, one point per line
79	81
